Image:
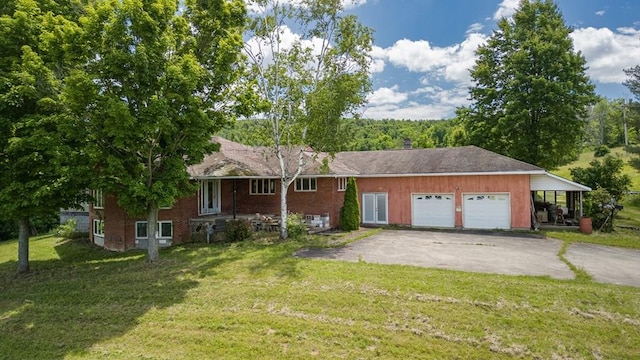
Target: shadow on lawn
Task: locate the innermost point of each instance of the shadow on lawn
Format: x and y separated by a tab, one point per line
67	306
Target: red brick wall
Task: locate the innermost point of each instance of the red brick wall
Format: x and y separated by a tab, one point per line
327	199
119	227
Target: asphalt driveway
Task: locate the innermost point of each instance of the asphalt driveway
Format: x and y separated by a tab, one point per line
498	254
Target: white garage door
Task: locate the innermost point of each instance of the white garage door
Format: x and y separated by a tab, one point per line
486	211
434	210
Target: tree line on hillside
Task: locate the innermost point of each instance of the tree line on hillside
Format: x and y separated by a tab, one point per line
363	134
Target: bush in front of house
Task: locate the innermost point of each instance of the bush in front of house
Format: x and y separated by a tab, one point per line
350	212
238	230
68	229
296	227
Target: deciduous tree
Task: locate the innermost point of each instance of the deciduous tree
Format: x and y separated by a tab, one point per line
157	82
310	62
530	91
40	157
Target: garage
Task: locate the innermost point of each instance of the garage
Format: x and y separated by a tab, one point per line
486	211
433	210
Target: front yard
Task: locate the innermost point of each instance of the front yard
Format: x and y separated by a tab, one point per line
253	300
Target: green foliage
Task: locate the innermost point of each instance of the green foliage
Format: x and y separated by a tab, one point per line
155	84
531	91
606	174
635	163
364	134
350	211
604	123
296	226
306	87
42	166
601	210
238	230
601	151
631	149
68	229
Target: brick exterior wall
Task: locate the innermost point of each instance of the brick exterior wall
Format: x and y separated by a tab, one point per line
119	231
119	227
326	200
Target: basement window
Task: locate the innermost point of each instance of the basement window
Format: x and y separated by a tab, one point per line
164	230
98	227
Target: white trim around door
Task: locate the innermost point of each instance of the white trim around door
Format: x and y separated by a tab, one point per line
375	208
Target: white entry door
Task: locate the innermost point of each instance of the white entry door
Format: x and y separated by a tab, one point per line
210	196
374	208
486	211
433	210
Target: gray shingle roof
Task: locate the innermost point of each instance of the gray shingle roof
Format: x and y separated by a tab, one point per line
467	159
237	160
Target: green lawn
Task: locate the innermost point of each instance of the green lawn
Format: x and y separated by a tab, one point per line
254	300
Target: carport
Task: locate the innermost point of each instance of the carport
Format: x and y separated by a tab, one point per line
555	200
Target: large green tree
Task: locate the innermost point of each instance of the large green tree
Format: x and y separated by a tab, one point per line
40	161
633	115
157	82
530	91
310	62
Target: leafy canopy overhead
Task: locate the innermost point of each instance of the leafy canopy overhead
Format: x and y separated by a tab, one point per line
530	91
156	84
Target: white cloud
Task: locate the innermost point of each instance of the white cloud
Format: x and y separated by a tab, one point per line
506	9
600	13
607	52
413	111
450	63
386	96
350	4
429	102
474	28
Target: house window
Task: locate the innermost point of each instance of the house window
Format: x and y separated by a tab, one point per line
164	230
262	187
306	184
98	227
342	183
98	196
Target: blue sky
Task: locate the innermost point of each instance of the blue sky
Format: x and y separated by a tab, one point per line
424	48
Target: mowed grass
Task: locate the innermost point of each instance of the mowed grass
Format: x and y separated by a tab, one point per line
254	300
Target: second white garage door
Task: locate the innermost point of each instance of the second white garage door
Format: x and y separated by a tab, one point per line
486	211
433	210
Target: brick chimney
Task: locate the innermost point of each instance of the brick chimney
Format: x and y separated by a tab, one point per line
407	143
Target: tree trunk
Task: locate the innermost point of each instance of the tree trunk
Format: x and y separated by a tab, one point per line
152	228
283	210
23	245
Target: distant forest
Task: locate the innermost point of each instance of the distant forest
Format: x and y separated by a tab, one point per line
366	134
